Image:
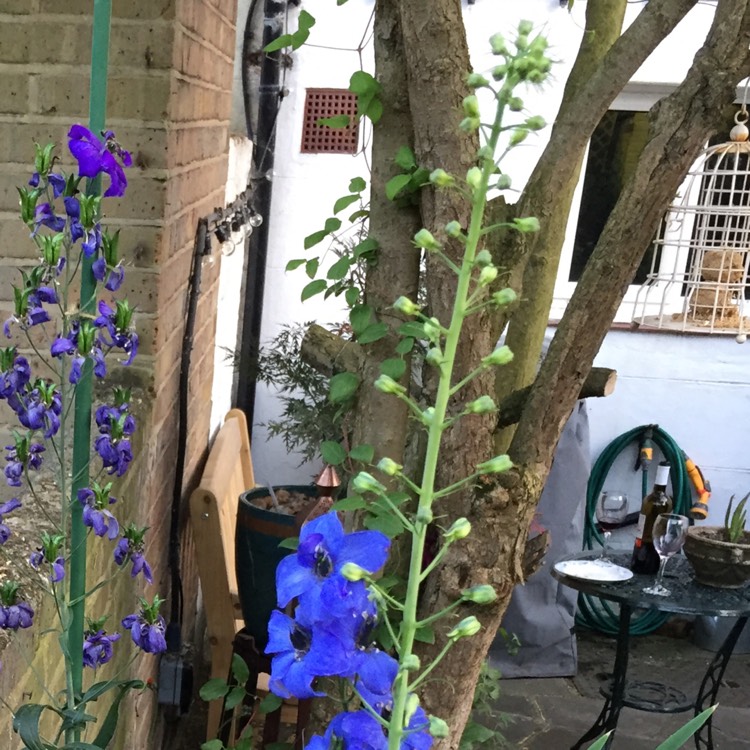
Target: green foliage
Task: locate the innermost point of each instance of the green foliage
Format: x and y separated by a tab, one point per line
484	728
734	522
295	40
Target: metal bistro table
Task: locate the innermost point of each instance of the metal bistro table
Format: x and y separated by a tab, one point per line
687	598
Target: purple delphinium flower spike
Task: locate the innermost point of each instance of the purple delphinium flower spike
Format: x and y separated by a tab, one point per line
23	454
118	324
95	157
57	181
49	553
98	648
6	508
45	216
130	547
95	514
147	627
14	614
352	729
15	372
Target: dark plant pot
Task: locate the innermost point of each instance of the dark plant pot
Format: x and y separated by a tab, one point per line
257	554
716	562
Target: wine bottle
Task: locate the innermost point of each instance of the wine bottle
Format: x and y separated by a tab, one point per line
645	557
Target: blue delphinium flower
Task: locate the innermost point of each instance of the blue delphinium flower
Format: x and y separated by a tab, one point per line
15	372
49	553
14	614
24	454
6	508
302	651
418	737
117	323
323	550
130	547
95	156
98	647
45	216
352	730
147	627
95	514
39	408
116	455
79	343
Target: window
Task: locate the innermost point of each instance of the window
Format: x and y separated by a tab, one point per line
322	139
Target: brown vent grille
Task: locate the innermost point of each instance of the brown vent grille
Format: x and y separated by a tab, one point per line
320	139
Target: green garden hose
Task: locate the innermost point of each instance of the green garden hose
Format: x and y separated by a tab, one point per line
597	613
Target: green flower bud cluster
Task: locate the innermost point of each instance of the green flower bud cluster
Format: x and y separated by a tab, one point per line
504	297
526	224
503	182
529	63
426	241
386	384
471	106
501	356
483	258
466	628
453	229
440	178
389	467
477	81
482	405
460	529
495	465
474	178
406	307
365	482
487	275
482	594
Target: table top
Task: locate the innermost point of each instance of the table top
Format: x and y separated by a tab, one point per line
687	597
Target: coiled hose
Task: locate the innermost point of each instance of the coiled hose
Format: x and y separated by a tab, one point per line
597	613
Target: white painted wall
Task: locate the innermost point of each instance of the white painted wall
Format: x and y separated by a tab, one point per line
696	388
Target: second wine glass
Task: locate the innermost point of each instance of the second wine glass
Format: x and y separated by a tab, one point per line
669	533
611	511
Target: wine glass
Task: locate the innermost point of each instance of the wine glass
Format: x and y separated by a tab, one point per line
669	534
611	511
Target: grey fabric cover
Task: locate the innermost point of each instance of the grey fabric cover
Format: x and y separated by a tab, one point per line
541	612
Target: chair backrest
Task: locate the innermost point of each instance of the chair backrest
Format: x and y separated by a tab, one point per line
213	511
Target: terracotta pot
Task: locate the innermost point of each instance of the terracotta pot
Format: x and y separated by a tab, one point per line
715	561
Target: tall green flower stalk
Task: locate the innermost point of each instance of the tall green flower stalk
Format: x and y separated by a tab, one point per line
474	276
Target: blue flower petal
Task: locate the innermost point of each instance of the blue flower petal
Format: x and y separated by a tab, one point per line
279	633
329	526
368	549
292	579
377	671
298	679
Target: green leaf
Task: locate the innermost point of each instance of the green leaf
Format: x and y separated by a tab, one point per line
405	159
412	328
342	387
600	743
363	83
351	295
332	224
684	733
305	21
332	452
355	502
291	542
361	214
340	268
26	724
285	40
374	110
425	634
359	318
108	727
213	745
386	523
396	184
343	202
394	367
311	267
313	239
364	453
270	703
235	697
337	121
240	670
405	345
294	264
476	733
313	288
373	332
299	38
357	185
367	246
214	689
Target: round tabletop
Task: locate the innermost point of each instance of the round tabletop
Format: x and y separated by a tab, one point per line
687	596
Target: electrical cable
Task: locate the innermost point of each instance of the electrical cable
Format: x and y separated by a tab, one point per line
597	613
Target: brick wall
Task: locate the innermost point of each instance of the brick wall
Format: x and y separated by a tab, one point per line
169	101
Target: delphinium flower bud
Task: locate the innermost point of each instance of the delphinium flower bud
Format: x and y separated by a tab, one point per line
389	467
469	124
467	627
518	136
424	516
522	42
432	329
474	178
353	572
487	276
412	704
525	27
504	297
482	594
438	728
434	357
476	80
425	240
441	178
495	465
460	529
471	106
499	72
453	229
428	415
482	405
411	663
526	224
484	258
535	122
365	482
503	182
386	384
515	104
497	44
500	356
405	306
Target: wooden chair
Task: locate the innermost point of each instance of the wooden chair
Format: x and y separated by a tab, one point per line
213	511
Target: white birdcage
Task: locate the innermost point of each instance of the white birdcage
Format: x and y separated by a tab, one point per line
699	269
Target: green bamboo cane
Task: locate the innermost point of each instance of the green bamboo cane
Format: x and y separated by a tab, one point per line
82	411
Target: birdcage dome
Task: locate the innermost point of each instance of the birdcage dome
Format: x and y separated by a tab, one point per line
699	260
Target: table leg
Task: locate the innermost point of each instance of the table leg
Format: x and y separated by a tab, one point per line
610	713
709	689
